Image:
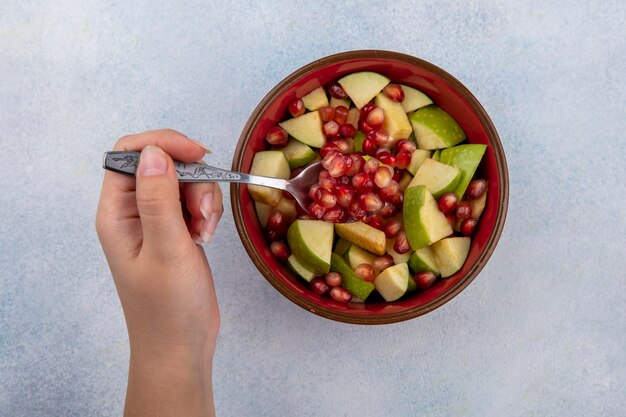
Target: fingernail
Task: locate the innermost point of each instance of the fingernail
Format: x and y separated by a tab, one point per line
152	162
205	204
205	235
206	149
212	224
198	240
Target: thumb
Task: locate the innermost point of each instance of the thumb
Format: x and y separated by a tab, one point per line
158	202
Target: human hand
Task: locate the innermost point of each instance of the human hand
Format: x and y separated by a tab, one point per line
162	276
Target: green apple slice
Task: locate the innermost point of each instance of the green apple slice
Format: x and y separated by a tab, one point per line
451	254
306	128
316	99
434	128
397	257
436	154
478	205
363	86
363	235
312	243
417	158
359	138
395	123
393	282
466	158
414	99
342	246
424	259
405	180
357	256
437	177
268	164
297	153
299	269
412	286
349	280
424	224
336	102
263	212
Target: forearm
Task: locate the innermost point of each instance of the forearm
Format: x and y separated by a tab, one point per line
175	381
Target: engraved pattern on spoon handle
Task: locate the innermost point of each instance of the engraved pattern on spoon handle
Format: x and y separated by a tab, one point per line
127	162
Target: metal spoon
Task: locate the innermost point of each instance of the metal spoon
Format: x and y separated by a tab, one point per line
127	162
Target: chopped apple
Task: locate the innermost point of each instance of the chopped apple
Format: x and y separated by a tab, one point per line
397	257
306	128
434	128
349	280
393	282
417	158
424	259
316	99
299	269
297	153
312	243
437	177
424	224
336	102
268	164
363	235
263	212
405	180
363	86
451	254
466	158
414	99
396	124
353	117
357	256
342	247
478	205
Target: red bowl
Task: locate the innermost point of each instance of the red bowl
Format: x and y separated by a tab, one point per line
449	94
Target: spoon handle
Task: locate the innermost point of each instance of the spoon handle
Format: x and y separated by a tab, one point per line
127	162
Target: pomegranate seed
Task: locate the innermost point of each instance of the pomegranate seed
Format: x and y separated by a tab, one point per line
333	279
369	147
374	221
366	109
345	180
276	136
339	165
366	272
475	189
405	145
362	182
304	217
316	210
347	130
424	279
364	127
329	158
387	158
392	228
288	195
382	176
447	203
382	138
357	165
371	202
328	146
402	244
327	113
464	210
345	194
345	146
468	226
327	199
396	174
397	199
335	215
276	226
313	191
296	107
340	295
375	117
319	286
341	114
371	165
337	91
394	92
387	211
356	211
389	192
383	262
280	250
382	149
330	128
404	159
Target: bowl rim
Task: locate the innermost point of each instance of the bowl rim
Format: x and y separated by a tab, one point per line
489	248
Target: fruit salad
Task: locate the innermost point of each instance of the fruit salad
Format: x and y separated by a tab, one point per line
396	203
